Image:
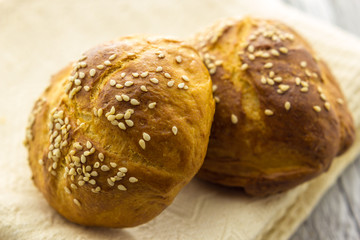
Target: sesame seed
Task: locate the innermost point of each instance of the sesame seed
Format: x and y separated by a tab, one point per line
304	89
178	59
297	81
67	190
73	186
118	98
251	48
283	50
214	88
304	84
100	112
41	162
270	81
323	96
159	69
287	105
170	83
303	64
251	57
154	80
265	55
81	75
244	67
263	80
122	75
340	101
174	130
133	179
122	126
77	82
104	168
111	118
274	52
77	202
81	183
119	116
130	123
128	83
284	87
317	108
82	58
185	78
327	106
234	119
101	156
130	54
112	82
88	144
86	88
167	75
92	72
142	143
268	112
96	165
135	75
94	173
146	136
107	63
112	164
271	74
121	187
126	98
152	105
100	67
112	57
144	74
268	65
127	114
83	159
111	183
181	85
134	102
92	182
143	88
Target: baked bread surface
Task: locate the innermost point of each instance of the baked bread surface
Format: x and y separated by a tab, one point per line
280	115
116	135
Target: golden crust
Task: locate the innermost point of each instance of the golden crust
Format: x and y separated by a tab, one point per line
99	163
280	116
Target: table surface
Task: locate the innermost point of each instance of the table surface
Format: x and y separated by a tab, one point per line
337	215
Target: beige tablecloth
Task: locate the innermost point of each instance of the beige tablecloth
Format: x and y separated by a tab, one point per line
38	37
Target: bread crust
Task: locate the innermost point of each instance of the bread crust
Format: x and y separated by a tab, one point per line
112	166
280	115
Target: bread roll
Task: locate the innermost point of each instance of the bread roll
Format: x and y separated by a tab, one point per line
280	115
116	135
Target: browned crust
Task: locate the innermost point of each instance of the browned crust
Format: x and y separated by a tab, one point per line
268	154
168	161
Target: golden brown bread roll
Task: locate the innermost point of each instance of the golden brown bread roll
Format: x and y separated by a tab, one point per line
115	137
280	116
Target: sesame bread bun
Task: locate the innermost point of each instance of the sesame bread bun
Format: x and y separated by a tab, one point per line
116	136
280	115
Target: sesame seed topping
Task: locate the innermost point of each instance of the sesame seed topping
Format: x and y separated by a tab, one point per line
82	58
134	102
133	179
142	143
81	183
283	50
122	126
174	130
118	98
268	65
121	187
270	81
146	136
67	190
73	186
271	74
100	112
287	105
185	78
340	101
92	72
125	97
178	59
110	182
77	82
135	75
244	66
251	57
81	75
263	80
167	75
122	75
170	83
112	57
154	80
41	162
265	55
304	89
234	119
86	88
107	63
130	123
159	69
323	96
100	67
181	85
274	52
130	54
77	202
327	106
284	87
303	64
92	182
111	118
268	112
152	105
128	83
104	168
96	165
214	88
317	108
143	88
144	74
112	82
251	48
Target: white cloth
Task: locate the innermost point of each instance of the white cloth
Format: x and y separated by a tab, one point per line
39	37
